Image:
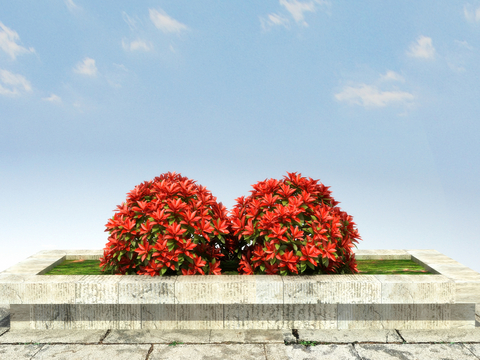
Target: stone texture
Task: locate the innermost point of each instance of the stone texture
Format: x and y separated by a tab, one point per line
53	336
159	316
405	316
410	351
310	316
349	336
19	352
474	348
3	330
227	289
251	316
199	316
436	336
203	352
384	254
300	352
97	289
134	289
93	352
416	289
249	336
157	337
332	289
34	266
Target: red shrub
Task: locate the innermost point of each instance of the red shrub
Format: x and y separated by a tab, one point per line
168	224
293	226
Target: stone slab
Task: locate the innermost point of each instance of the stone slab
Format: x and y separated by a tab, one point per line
3	330
385	254
134	289
157	336
53	336
34	266
349	336
92	352
414	351
210	352
416	289
300	352
18	352
437	336
474	348
247	336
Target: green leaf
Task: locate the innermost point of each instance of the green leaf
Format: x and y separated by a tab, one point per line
310	265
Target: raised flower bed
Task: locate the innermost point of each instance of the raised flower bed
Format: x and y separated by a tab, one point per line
441	301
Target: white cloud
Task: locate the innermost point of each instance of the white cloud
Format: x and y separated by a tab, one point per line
132	24
13	84
392	76
297	8
8	42
464	44
471	15
370	96
422	48
72	7
136	45
164	22
273	20
53	98
86	67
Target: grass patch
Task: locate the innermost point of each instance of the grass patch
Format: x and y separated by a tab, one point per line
366	267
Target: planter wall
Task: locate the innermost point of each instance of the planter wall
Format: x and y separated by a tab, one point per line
441	301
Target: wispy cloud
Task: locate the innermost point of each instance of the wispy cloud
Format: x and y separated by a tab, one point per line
464	44
371	96
165	23
53	98
422	48
273	20
13	84
376	95
472	15
392	76
295	9
131	22
72	7
136	45
9	42
86	67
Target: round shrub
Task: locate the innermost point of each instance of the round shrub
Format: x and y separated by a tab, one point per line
293	226
169	225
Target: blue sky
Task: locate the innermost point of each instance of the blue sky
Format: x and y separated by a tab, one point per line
377	99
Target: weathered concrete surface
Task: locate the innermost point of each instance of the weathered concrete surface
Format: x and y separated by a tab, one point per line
300	352
19	352
53	336
92	352
249	336
438	336
349	336
4	316
217	352
157	337
474	348
415	351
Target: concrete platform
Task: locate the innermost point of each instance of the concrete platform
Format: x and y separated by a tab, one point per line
244	344
445	300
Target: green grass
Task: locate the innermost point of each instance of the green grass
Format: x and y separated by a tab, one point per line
370	267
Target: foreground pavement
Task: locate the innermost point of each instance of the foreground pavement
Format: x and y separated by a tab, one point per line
456	344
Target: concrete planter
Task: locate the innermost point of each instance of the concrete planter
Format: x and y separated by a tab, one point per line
441	301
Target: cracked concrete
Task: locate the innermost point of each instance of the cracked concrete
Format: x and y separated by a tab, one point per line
240	344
